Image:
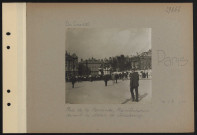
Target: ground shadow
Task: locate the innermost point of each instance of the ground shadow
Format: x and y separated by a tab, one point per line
109	85
127	100
142	96
76	87
139	98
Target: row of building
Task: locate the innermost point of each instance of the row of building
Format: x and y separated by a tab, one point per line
94	66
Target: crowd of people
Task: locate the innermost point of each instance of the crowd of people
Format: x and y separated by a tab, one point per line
133	76
144	74
113	76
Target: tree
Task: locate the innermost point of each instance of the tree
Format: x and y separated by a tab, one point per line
83	70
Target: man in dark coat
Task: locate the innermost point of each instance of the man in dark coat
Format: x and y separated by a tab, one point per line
134	84
116	77
105	79
73	80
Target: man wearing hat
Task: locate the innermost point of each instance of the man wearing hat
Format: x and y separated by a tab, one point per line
134	84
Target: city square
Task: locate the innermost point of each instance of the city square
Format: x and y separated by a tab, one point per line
96	92
96	58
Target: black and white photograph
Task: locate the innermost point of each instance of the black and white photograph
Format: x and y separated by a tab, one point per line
98	67
108	65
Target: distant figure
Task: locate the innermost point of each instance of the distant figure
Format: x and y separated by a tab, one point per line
134	84
116	77
73	80
146	74
113	78
105	79
143	75
91	78
122	76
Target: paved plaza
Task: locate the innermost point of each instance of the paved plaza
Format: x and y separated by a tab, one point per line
115	93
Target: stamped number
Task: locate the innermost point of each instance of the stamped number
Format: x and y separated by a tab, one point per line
173	9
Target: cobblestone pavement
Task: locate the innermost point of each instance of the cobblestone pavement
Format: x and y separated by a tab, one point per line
97	93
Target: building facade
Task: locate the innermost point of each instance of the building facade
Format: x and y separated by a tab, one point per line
142	61
71	65
93	65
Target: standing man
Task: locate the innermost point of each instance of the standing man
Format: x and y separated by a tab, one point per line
134	84
116	77
73	80
105	79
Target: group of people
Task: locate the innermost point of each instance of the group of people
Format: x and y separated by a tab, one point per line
134	82
114	78
144	74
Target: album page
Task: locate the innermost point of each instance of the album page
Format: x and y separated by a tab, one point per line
108	67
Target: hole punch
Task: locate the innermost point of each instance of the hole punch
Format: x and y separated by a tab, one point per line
8	33
8	47
8	91
8	104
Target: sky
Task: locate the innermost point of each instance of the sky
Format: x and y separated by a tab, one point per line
103	43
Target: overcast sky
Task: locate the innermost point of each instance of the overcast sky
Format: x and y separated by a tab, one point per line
104	43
